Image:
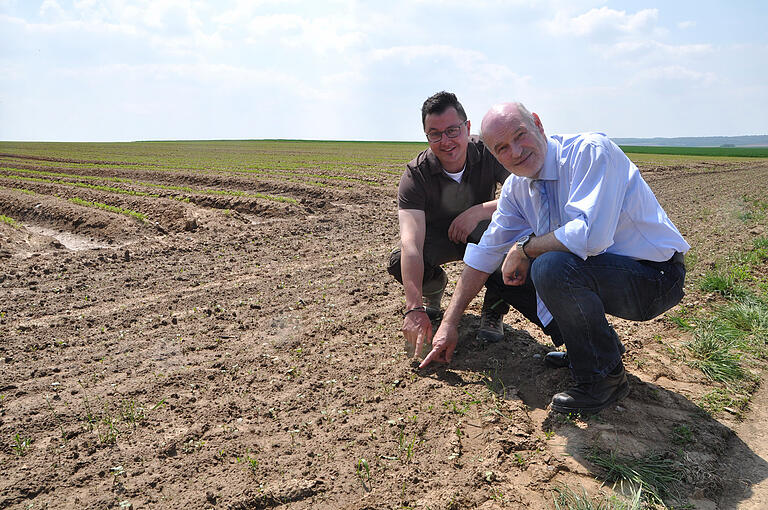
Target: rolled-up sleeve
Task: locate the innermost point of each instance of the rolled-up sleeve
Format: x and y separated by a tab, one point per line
506	227
598	185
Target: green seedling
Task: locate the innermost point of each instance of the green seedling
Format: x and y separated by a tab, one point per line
56	419
21	445
363	471
10	221
132	413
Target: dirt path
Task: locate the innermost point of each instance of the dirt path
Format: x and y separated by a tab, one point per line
750	469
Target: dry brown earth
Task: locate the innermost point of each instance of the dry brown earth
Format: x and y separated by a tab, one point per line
235	352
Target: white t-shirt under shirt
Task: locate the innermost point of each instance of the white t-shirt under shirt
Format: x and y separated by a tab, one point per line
456	176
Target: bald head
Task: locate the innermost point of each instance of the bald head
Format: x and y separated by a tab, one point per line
504	113
516	138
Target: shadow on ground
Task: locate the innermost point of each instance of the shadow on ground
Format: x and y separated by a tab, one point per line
715	467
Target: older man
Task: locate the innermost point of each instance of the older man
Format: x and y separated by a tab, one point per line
579	233
446	197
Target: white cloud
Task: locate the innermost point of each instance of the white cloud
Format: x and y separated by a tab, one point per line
244	10
318	35
51	7
603	22
639	48
686	24
676	73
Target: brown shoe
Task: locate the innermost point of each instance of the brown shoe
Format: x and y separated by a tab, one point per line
491	328
432	295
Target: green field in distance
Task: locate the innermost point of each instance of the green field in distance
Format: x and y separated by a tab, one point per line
731	152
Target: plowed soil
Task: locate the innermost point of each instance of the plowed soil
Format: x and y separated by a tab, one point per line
235	351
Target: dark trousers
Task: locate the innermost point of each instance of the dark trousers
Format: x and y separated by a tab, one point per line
438	250
579	293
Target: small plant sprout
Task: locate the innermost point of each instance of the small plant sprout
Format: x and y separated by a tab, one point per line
21	445
682	435
253	464
364	473
117	471
132	412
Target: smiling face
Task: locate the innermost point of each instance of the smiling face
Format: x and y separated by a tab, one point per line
516	139
452	152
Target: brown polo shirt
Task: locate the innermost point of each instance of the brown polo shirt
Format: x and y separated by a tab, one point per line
424	185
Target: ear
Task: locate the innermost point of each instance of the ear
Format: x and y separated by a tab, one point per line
537	122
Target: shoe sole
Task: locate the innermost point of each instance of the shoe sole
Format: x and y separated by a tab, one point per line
621	392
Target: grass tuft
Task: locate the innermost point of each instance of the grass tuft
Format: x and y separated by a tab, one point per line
715	352
654	474
724	283
565	498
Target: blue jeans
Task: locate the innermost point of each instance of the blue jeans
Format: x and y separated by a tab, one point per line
579	293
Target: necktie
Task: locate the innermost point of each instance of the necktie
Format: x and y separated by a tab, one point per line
541	200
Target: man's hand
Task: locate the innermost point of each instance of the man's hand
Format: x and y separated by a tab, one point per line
464	224
443	345
514	269
417	329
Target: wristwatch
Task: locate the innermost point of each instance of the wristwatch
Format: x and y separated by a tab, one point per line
522	242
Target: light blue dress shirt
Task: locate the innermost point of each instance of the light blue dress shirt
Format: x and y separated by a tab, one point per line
599	203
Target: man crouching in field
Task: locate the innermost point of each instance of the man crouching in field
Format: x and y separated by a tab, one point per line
578	233
446	197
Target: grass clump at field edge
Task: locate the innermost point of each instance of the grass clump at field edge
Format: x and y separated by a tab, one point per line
733	337
654	475
565	498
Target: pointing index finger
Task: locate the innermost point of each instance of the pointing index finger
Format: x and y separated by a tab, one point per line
430	357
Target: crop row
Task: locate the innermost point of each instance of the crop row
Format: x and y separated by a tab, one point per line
111	189
301	177
278	167
227	155
111	208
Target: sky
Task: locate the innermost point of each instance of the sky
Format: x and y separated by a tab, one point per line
110	70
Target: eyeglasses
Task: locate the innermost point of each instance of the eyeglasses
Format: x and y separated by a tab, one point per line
450	132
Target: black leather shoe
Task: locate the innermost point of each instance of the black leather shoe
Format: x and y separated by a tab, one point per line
557	359
589	398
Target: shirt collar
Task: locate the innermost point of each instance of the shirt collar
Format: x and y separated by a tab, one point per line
549	170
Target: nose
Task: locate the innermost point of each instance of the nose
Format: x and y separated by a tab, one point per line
445	141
